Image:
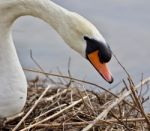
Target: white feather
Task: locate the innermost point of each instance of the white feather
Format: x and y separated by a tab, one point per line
71	27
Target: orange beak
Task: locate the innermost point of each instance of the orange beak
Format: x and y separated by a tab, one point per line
102	68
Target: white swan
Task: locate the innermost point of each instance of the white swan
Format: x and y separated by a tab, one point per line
76	31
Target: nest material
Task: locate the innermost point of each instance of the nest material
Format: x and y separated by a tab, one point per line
59	107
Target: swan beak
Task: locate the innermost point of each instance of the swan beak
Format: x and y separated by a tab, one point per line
102	68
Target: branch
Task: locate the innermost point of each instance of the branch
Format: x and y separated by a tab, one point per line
82	124
55	115
67	77
33	107
117	101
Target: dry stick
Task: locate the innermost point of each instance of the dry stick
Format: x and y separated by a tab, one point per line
147	90
74	114
58	104
120	121
69	73
54	96
67	77
90	103
53	109
132	87
140	94
82	124
127	75
134	93
38	65
116	101
86	105
128	90
75	79
9	119
130	95
33	107
83	81
56	114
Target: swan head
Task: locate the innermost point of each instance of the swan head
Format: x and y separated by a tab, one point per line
84	38
99	54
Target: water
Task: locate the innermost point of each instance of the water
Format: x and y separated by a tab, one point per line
125	25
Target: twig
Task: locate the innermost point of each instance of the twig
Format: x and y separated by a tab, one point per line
69	73
132	87
54	96
67	77
132	97
134	93
9	119
53	109
55	115
120	121
86	104
116	101
38	65
82	81
121	65
140	94
84	123
33	107
60	80
89	100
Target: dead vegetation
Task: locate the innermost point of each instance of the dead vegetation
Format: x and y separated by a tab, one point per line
66	107
71	107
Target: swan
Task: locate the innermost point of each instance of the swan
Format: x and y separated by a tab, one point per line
76	31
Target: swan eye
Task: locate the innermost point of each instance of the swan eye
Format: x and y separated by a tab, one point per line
86	38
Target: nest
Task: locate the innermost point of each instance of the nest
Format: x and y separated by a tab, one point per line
66	107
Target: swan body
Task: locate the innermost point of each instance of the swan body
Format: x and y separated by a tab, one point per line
75	30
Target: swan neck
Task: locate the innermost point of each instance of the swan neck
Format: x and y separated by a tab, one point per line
44	9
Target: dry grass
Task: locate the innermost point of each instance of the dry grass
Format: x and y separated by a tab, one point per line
60	107
71	107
